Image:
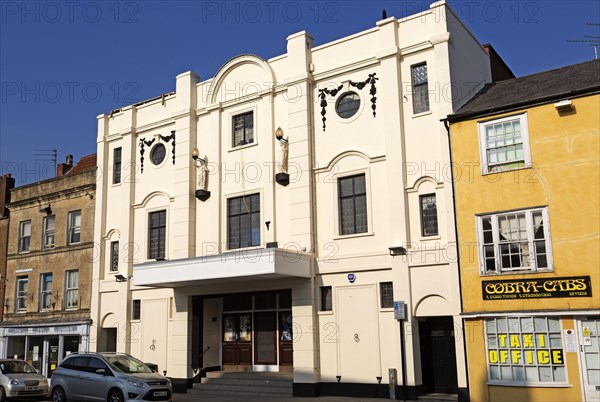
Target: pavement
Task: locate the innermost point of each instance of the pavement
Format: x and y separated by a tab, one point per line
195	396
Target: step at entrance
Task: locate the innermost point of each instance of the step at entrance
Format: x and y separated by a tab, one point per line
247	383
438	397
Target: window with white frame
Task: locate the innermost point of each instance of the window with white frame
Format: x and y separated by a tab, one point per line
74	231
516	241
48	231
504	144
243	129
21	297
525	350
420	88
45	291
352	195
72	289
24	236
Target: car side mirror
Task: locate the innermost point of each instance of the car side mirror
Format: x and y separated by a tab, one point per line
101	371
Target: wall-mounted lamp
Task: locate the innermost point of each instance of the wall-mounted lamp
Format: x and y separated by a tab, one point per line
47	210
120	278
282	178
394	251
202	193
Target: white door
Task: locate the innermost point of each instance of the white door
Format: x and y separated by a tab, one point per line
358	325
154	332
589	339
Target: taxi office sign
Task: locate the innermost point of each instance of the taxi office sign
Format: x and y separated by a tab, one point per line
573	286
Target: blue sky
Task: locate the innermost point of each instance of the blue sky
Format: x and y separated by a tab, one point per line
62	63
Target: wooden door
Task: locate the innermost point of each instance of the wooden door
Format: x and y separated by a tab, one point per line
286	350
237	342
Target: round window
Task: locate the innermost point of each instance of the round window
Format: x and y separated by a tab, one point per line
158	154
348	105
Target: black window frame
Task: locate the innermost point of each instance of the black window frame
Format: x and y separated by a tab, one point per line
425	106
354	196
326	298
158	252
247	135
136	309
386	298
427	221
114	256
249	206
117	154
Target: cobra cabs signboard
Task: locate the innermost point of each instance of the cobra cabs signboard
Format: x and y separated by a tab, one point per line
576	286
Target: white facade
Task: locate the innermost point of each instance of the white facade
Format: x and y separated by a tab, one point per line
402	156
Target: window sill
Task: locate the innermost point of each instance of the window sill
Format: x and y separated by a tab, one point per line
524	272
433	237
352	236
524	167
414	116
237	148
242	249
24	251
386	309
530	384
116	184
326	312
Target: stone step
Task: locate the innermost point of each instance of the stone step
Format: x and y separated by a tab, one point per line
249	383
251	375
205	394
438	397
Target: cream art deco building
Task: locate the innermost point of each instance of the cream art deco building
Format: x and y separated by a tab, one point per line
318	196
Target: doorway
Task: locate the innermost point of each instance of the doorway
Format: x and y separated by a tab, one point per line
237	342
265	343
438	355
589	332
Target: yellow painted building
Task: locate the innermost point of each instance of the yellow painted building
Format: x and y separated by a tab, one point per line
525	153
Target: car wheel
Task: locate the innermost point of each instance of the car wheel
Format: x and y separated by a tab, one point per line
115	396
58	395
2	395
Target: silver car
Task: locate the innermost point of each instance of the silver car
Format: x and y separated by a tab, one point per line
18	379
112	377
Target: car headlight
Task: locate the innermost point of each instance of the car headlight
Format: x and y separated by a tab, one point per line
138	384
14	382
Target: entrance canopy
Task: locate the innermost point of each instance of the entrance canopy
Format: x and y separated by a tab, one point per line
255	264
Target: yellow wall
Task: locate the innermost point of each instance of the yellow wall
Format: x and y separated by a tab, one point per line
565	177
480	391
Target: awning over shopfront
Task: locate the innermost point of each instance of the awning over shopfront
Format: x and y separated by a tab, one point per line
245	265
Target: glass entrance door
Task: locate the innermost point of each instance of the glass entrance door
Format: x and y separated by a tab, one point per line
52	362
589	332
265	341
237	342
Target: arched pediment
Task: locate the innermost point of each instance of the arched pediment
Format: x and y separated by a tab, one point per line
242	76
347	154
424	179
432	305
152	195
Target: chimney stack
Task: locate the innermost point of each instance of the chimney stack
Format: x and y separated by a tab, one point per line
63	168
6	184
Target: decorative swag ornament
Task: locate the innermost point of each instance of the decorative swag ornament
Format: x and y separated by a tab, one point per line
371	79
149	143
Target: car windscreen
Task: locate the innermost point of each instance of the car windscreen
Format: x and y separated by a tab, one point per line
127	364
16	367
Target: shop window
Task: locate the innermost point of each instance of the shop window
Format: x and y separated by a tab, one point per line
352	205
525	350
24	236
45	291
243	221
326	298
48	231
136	309
386	290
21	301
243	129
16	347
74	234
72	289
517	241
265	301
71	345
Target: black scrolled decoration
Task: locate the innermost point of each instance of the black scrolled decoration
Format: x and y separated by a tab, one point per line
373	91
170	138
322	94
142	143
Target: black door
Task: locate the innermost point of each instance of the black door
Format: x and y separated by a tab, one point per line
438	356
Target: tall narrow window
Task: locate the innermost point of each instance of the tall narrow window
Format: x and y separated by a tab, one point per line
45	291
74	227
114	256
420	88
24	236
353	205
117	165
72	289
157	234
243	221
21	302
386	290
48	233
243	129
429	222
326	298
136	309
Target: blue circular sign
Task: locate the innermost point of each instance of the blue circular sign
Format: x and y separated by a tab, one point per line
351	278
